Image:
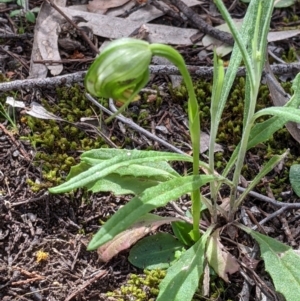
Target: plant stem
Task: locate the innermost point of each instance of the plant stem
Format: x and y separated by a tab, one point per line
194	123
218	81
243	149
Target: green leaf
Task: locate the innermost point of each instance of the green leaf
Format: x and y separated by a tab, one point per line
102	154
96	156
29	15
21	3
158	171
78	169
234	64
15	12
281	262
279	4
263	131
295	178
150	199
111	165
183	276
181	230
155	251
119	185
289	114
264	170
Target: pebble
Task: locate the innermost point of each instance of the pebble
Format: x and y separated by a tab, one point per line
16	153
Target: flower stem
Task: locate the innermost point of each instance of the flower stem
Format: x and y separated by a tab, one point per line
194	123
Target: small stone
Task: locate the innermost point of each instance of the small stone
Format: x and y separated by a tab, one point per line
16	153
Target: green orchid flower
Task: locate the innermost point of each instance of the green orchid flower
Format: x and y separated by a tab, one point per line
120	71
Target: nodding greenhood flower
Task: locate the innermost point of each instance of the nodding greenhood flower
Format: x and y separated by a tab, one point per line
121	70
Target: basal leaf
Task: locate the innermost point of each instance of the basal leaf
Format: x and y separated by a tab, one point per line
109	166
295	178
182	278
181	230
119	185
143	226
281	262
155	252
78	169
150	199
96	156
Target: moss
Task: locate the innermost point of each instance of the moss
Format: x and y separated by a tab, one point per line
139	287
55	142
231	126
290	56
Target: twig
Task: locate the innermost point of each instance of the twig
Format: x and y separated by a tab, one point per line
165	10
200	72
284	206
101	274
271	201
244	295
133	125
80	31
43	82
202	25
42	196
64	61
269	217
10	35
133	9
287	231
253	220
27	281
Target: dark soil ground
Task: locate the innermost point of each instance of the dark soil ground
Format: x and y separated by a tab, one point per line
43	237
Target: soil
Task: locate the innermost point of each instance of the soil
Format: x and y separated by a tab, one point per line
43	237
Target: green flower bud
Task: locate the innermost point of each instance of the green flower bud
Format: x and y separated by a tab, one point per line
121	70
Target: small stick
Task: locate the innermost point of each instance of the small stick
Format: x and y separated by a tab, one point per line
202	25
287	231
199	72
80	31
101	274
133	125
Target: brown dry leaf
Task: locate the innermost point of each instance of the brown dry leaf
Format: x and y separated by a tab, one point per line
45	40
204	144
38	111
247	258
225	204
206	281
279	98
101	25
219	259
101	6
146	224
